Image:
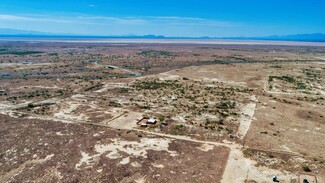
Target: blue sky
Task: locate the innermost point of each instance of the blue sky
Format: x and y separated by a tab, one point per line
165	17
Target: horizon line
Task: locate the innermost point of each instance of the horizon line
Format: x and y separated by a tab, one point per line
152	36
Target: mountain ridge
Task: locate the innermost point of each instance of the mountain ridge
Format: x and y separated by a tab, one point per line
315	37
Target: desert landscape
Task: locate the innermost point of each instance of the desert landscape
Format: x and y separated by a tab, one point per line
161	112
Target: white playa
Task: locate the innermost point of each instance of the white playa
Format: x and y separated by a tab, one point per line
115	41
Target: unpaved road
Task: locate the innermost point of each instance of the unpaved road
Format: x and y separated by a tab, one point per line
125	70
247	116
322	58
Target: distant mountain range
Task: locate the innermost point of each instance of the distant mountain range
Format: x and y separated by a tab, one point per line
317	37
15	32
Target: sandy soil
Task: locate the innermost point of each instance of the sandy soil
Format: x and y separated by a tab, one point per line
246	117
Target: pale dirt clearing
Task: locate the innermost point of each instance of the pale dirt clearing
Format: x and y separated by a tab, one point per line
108	86
132	148
66	112
168	76
246	117
85	160
125	161
24	104
322	58
126	120
239	169
135	148
141	180
320	62
5	105
43	87
206	147
157	165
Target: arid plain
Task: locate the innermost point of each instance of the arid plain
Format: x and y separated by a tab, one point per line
161	112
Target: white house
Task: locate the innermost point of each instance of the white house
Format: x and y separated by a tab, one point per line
152	121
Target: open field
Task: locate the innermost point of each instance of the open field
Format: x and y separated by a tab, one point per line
71	112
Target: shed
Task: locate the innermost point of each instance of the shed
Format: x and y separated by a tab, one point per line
152	121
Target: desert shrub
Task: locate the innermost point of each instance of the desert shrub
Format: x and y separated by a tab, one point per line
306	169
219	122
276	66
114	104
301	86
123	90
53	54
161	118
226	105
230	131
30	105
154	85
178	127
21	53
153	53
289	79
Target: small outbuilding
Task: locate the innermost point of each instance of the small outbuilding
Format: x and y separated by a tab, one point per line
146	121
26	63
152	121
